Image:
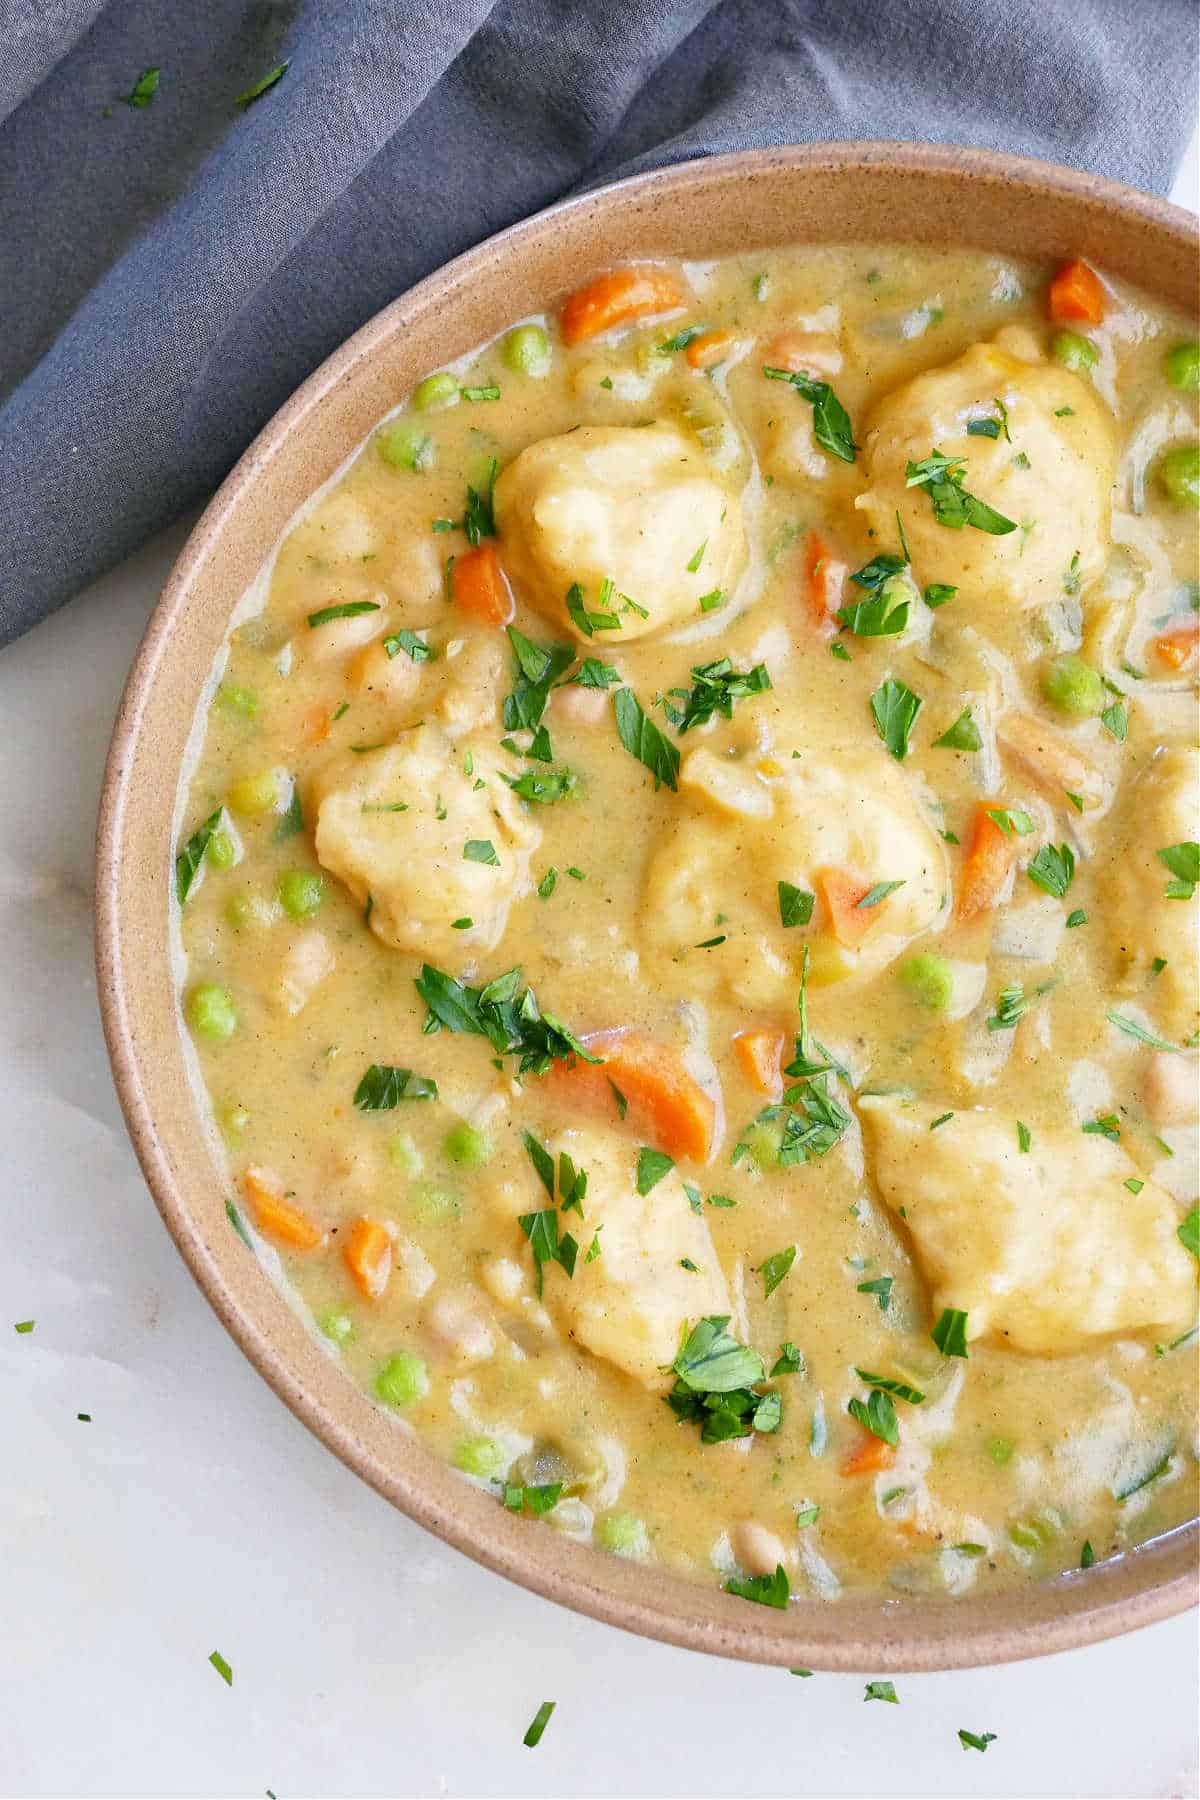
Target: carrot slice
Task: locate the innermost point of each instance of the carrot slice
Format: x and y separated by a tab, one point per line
759	1055
841	892
804	353
985	867
1076	293
367	1253
1175	646
275	1215
824	581
869	1456
480	586
710	348
616	298
665	1105
317	725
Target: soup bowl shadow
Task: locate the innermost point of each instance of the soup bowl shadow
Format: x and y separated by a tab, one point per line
930	196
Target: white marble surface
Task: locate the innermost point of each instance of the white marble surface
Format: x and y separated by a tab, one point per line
193	1513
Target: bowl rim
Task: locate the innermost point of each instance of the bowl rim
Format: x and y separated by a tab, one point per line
1084	1609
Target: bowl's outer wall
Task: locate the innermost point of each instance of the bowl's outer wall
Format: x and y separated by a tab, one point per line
821	194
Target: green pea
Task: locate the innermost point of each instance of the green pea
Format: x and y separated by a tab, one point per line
1179	473
337	1326
211	1012
1074	352
1073	686
234	1120
405	446
929	979
255	794
527	350
222	851
247	909
763	1140
1181	366
431	1203
242	701
624	1534
436	391
481	1456
301	892
404	1155
466	1146
1000	1450
402	1379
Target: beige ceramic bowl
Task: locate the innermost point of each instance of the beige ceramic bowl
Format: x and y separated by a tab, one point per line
820	194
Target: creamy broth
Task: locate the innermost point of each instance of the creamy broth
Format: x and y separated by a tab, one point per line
820	792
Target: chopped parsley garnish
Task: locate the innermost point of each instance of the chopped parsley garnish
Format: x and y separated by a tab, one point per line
479	519
775	1268
192	855
541	1719
942	477
1189	1232
1107	1126
831	422
1183	860
592	673
962	735
894	708
411	644
538	668
841	652
715	1385
547	884
711	943
384	1086
481	850
222	1667
24	1326
292	821
1076	918
1133	1184
942	1119
716	686
1012	821
1070	581
236	1220
489	392
790	1361
877	893
767	1590
795	904
881	1690
881	1285
885	614
950	1332
344	609
887	1385
877	1415
696	558
537	1500
1053	869
642	738
263	85
713	600
604	619
1128	1489
937	594
463	924
541	1228
1012	1003
143	90
1132	1029
652	1165
510	1019
544	789
1024	1137
682	338
979	1740
1115	721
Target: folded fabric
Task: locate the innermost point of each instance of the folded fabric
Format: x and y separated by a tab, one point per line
173	263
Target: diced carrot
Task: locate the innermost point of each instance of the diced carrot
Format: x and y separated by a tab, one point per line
665	1106
869	1456
1175	646
710	348
480	586
759	1055
275	1215
804	353
367	1253
841	891
1050	758
1076	294
824	581
616	298
317	725
989	857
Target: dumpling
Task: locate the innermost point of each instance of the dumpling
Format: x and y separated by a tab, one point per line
1160	809
1052	480
1042	1249
630	1303
637	508
394	825
758	820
